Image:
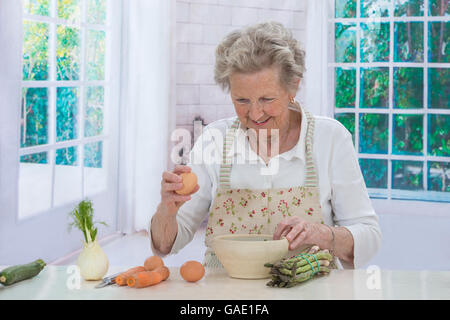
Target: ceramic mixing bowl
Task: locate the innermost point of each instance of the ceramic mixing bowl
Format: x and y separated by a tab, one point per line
244	256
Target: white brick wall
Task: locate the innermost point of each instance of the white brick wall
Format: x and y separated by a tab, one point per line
201	25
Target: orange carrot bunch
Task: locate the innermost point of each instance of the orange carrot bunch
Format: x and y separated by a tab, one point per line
122	278
144	279
153	272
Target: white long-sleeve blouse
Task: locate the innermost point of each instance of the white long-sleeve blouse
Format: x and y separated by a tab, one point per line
343	194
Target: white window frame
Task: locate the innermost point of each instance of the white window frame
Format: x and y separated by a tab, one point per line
110	108
389	203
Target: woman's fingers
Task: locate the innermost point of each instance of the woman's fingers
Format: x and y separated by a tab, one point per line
197	187
295	230
166	187
298	240
170	177
283	227
280	229
171	196
296	235
181	169
172	181
285	232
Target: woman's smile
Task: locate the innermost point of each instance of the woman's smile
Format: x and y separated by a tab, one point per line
261	123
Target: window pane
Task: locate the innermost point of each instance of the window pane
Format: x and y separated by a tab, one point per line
374	90
34	117
96	11
439	176
67	176
438	42
66	113
373	133
408	42
36	7
95	55
95	169
408	134
439	135
66	156
345	42
93	124
69	10
408	88
35	50
34	158
345	8
35	184
374	172
345	88
67	53
348	120
93	155
407	175
374	8
374	42
439	8
439	88
408	8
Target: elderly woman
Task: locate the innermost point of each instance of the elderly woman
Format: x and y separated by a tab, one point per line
305	185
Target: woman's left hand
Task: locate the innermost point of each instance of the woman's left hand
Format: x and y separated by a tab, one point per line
299	232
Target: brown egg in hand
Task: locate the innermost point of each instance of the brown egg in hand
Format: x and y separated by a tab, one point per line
192	271
189	183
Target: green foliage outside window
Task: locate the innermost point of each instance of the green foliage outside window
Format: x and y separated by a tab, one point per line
408	89
36	66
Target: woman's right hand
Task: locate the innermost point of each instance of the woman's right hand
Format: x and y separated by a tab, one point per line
171	181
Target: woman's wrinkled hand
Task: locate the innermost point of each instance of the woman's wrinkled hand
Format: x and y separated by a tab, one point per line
171	181
298	232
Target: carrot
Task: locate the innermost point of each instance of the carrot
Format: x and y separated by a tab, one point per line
164	271
153	262
121	279
144	279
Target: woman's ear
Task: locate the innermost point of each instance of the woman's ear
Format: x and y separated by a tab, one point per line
297	83
295	86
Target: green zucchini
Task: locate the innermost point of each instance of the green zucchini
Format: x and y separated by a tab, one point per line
21	272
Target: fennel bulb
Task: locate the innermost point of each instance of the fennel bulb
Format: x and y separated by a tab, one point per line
92	261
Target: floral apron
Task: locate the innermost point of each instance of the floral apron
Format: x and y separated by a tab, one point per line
258	211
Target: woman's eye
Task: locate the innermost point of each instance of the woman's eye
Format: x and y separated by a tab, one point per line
267	99
242	100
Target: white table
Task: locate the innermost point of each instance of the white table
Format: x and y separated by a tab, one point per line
52	283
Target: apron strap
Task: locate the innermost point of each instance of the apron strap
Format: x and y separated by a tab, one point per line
226	165
311	176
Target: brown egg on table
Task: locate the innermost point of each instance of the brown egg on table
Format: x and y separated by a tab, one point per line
189	183
192	271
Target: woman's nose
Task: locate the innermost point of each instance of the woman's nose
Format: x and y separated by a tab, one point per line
256	111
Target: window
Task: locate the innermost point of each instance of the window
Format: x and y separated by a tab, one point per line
65	88
392	92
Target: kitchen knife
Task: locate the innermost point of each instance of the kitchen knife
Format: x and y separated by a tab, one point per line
108	281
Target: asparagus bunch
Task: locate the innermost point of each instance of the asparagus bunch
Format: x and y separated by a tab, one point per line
292	271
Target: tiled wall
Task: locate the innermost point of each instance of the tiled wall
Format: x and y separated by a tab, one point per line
200	26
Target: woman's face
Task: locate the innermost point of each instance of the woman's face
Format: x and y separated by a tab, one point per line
260	101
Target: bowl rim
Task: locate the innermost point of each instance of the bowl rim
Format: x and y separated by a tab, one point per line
225	237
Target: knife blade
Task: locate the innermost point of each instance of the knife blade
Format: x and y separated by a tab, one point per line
108	281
